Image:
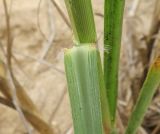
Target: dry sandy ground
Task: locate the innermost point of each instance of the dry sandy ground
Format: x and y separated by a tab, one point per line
44	79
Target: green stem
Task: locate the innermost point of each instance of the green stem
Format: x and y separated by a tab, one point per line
84	73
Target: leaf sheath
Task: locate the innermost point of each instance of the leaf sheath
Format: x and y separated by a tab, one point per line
85	88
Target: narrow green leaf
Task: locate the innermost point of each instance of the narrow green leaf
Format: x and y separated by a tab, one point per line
149	87
113	16
82	20
86	89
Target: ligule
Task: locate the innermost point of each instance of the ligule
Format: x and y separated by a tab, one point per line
148	89
86	90
82	20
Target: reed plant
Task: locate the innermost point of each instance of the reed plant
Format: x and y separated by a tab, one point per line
93	89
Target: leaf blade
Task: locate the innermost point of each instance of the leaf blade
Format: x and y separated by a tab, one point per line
148	89
113	16
82	21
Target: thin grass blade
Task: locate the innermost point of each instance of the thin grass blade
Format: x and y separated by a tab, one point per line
150	85
113	16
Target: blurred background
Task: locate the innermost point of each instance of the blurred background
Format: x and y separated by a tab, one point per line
41	31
